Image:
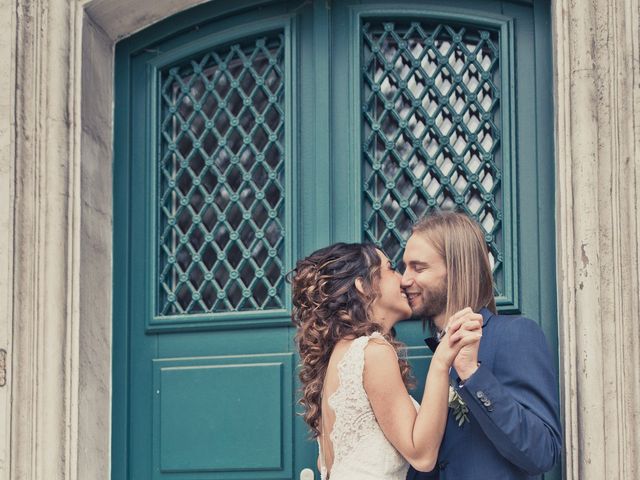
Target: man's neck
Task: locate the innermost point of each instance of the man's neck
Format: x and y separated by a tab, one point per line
440	322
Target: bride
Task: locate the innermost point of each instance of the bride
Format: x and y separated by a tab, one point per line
346	300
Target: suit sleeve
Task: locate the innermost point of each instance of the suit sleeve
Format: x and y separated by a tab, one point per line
413	474
516	405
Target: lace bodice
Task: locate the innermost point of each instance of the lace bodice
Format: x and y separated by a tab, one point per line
361	451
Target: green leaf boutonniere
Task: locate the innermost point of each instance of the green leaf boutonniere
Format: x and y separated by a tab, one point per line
460	409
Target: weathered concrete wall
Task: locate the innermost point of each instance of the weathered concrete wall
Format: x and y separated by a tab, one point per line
44	238
94	397
7	179
108	14
597	82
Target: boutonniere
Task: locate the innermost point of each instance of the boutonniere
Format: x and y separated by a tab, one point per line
460	409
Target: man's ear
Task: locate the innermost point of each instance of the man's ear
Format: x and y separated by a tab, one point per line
359	285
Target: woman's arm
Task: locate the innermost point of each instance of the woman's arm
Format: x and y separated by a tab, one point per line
416	435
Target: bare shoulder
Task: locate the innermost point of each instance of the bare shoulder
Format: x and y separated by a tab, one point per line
378	348
382	376
379	355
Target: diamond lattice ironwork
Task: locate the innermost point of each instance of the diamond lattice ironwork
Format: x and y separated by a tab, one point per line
430	110
221	180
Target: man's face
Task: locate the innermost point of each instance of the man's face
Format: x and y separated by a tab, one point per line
425	278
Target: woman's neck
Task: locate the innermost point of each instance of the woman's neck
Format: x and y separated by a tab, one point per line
386	324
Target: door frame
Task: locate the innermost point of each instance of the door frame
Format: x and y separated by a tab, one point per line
314	143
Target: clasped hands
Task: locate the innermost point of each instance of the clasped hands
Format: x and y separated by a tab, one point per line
460	343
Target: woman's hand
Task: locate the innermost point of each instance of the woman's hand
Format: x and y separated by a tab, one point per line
463	328
417	435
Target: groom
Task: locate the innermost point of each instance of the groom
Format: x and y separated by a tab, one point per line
507	381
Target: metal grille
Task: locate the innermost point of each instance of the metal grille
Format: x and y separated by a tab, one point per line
430	110
221	180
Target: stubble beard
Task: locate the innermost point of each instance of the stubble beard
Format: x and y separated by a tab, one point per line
434	302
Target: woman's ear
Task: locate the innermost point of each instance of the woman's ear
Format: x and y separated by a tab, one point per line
360	285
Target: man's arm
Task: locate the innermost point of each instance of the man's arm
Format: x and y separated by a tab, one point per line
413	474
516	405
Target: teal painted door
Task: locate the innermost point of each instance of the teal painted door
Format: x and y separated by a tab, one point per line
248	134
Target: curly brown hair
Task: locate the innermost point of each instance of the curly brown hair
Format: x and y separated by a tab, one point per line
327	307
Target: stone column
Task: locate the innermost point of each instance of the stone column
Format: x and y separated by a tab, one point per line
7	182
45	239
597	80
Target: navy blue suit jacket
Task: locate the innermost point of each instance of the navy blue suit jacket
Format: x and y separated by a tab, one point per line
514	424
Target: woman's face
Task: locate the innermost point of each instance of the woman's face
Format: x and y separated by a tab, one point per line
391	305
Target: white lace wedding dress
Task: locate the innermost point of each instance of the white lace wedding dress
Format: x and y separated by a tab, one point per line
360	449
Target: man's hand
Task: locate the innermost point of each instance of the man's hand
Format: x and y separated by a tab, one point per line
464	329
466	362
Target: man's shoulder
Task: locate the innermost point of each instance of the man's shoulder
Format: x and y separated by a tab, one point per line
513	322
514	328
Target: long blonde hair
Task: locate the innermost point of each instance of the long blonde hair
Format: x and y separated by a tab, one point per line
460	242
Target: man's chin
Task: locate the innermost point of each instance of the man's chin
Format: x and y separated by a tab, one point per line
423	314
419	311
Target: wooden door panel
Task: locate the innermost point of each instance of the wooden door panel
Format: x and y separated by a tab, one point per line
224	415
204	233
220	185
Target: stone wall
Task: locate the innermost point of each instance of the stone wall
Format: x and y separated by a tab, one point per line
55	224
7	180
597	81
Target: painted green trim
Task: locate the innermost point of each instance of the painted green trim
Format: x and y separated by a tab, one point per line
322	66
545	126
355	115
409	11
220	321
509	300
291	108
200	45
125	430
197	46
139	371
121	263
192	20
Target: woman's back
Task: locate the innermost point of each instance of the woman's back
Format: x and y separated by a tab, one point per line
355	447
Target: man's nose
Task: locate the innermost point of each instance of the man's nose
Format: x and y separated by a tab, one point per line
407	279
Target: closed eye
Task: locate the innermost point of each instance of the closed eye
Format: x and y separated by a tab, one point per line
419	267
